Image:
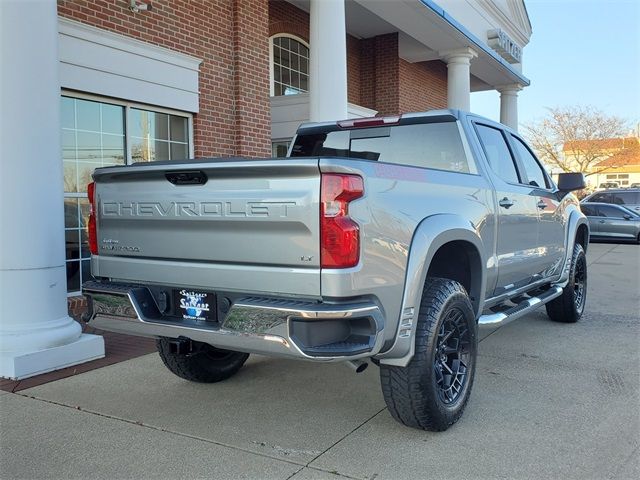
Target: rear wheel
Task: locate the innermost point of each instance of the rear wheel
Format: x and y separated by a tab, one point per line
204	363
431	392
569	306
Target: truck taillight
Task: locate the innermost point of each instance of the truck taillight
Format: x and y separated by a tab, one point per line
93	234
339	234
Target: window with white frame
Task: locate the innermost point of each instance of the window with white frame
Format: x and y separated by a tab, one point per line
279	148
98	133
290	65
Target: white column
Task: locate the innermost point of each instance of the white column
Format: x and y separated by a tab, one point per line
458	77
36	333
328	61
509	105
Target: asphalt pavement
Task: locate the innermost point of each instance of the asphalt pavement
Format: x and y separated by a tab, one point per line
550	401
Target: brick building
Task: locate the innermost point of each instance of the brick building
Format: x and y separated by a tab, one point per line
121	81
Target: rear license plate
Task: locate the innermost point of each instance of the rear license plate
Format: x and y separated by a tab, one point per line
194	305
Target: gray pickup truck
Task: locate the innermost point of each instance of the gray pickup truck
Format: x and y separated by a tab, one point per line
388	239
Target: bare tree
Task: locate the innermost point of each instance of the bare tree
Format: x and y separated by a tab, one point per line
576	138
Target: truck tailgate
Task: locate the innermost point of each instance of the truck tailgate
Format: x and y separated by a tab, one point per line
217	217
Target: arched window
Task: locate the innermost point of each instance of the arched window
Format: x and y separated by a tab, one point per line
289	65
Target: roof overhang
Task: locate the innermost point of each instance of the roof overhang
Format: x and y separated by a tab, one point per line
425	29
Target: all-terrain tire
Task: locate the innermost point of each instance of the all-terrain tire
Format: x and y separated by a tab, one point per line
417	395
569	306
206	365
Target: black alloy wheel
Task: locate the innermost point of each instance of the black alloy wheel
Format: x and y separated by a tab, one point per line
580	284
569	306
452	355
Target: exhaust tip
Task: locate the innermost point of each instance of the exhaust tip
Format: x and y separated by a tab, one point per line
358	365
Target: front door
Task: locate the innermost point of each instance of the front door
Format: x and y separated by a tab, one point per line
551	220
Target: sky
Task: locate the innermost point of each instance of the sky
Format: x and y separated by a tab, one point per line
582	52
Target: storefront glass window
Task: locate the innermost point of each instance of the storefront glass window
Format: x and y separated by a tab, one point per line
157	136
96	134
92	136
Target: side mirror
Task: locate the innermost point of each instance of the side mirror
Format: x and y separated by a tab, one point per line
626	216
568	182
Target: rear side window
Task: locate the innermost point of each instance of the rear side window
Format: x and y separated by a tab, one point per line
611	212
498	153
625	198
588	210
430	145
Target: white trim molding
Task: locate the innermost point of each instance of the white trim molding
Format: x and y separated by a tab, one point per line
289	111
104	63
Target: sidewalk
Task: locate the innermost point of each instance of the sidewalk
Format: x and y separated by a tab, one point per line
550	401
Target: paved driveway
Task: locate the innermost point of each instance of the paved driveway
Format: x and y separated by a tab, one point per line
550	401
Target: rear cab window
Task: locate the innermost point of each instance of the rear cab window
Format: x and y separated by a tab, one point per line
426	145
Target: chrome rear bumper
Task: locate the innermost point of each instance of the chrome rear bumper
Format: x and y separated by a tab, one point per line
254	325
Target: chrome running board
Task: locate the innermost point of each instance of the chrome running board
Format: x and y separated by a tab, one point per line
495	320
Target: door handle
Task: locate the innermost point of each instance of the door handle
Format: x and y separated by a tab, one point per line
542	205
506	203
601	221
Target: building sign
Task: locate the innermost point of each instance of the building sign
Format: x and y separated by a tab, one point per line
505	46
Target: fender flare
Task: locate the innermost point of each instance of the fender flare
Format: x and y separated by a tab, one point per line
432	233
576	219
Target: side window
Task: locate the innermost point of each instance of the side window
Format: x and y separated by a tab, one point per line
535	174
498	153
601	197
610	212
588	210
625	198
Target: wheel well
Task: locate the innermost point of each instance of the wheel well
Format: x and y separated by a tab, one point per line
582	236
460	261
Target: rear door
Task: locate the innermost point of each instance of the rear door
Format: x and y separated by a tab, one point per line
613	224
517	249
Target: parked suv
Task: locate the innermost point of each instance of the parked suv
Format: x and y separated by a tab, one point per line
629	197
612	222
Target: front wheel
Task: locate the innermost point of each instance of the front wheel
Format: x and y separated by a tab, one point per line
569	306
205	363
431	392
